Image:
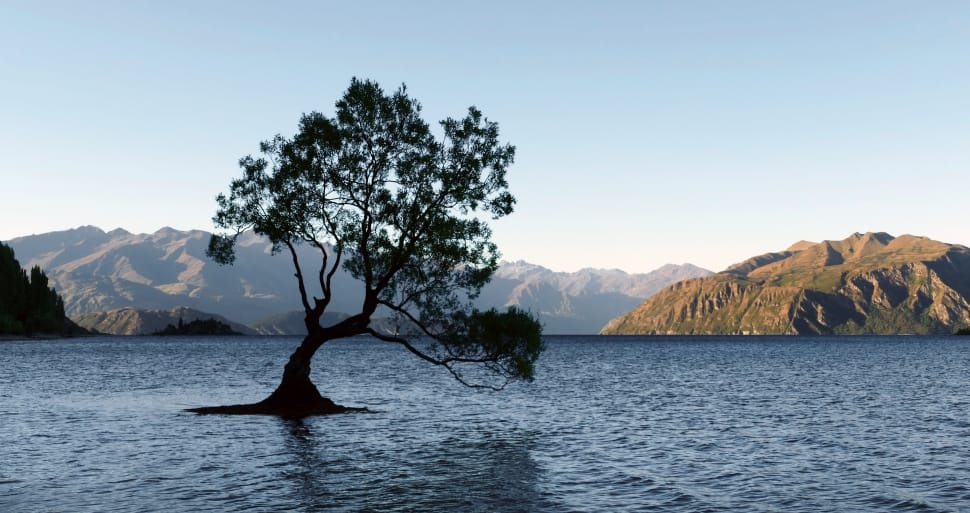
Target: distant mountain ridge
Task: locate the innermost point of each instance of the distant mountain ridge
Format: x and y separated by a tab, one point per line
579	302
870	283
96	271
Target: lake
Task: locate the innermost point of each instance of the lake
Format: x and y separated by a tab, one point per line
672	424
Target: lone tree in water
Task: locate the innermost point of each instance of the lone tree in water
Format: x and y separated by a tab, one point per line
405	213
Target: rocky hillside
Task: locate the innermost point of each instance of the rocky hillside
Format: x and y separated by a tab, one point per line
95	271
870	283
132	321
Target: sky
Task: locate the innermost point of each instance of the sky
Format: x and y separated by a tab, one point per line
647	132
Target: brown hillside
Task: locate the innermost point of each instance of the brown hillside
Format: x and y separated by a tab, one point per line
870	283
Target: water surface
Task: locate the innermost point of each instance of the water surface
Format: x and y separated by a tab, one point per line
611	424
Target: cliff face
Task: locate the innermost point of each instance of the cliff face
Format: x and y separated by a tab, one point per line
866	284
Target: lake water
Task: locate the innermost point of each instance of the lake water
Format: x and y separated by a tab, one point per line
611	424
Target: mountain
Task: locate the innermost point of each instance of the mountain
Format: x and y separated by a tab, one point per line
567	303
870	283
580	302
133	321
97	271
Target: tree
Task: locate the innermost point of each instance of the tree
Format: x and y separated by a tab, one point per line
13	293
374	191
27	304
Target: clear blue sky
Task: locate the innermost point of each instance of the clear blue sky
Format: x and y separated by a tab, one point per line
648	132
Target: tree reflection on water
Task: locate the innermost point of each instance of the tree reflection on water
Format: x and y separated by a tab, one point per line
471	469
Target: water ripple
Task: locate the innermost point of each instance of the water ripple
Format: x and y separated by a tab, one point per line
624	424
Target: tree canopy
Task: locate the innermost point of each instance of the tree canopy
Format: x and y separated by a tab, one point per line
406	212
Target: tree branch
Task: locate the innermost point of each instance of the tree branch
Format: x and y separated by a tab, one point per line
299	276
424	329
323	268
446	363
486	358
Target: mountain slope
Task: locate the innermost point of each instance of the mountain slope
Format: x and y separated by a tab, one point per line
96	271
870	283
133	321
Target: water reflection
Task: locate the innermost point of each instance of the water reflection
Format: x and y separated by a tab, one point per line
308	470
475	469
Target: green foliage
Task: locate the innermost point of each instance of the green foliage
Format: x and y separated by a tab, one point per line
27	304
404	211
507	342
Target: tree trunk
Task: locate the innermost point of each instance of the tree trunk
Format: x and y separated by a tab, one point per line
295	397
296	393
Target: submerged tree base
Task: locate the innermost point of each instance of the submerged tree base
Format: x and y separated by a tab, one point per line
290	411
295	398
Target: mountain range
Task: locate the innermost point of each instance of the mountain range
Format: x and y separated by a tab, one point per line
96	271
870	283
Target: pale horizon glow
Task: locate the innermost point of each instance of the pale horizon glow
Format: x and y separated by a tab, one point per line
647	133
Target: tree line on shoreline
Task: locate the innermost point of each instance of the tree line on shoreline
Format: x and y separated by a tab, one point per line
28	306
198	327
